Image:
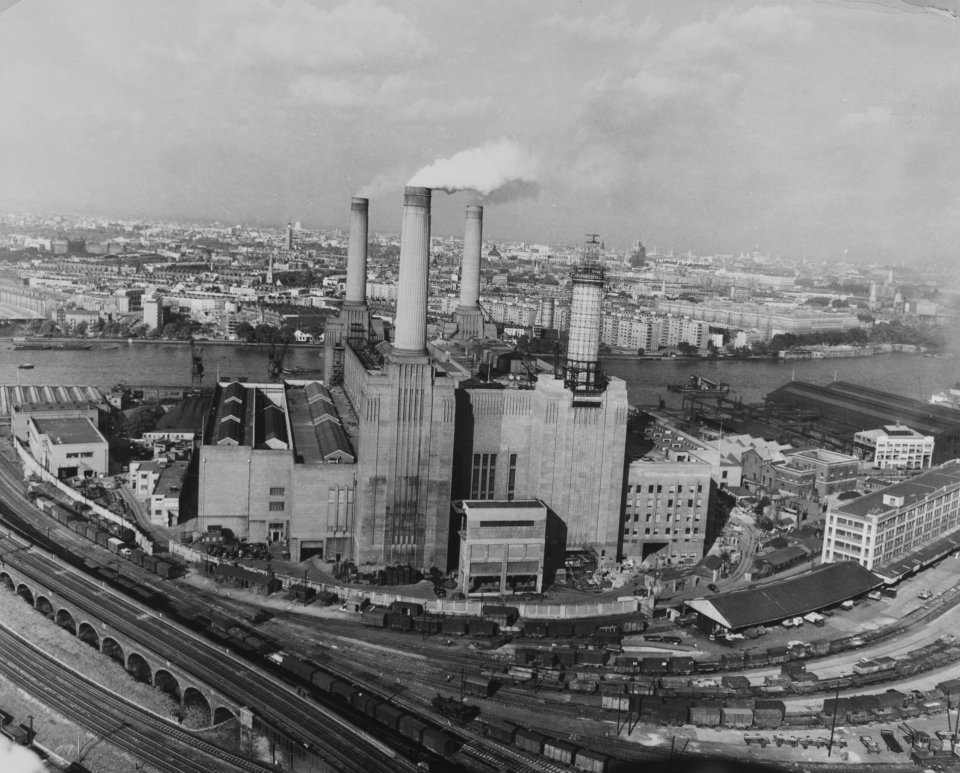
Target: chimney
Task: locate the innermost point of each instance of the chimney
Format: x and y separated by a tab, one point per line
357	254
586	321
410	335
470	270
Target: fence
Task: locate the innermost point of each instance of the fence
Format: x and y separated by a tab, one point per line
34	468
433	606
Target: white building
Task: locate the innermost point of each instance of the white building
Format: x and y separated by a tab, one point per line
883	526
895	447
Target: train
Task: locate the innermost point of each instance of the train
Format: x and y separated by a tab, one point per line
115	537
555	750
381	710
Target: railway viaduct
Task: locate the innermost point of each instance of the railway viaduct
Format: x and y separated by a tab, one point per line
142	662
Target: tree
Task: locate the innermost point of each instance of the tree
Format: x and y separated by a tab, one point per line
687	349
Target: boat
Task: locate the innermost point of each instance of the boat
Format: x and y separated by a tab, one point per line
31	346
108	347
25	366
701	385
75	346
302	371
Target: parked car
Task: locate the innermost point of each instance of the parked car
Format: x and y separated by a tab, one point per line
924	594
871	745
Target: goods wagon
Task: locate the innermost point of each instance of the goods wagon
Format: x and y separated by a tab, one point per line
705	713
410	608
535	629
411	727
479	685
500	730
398	621
479	627
529	740
501	615
388	715
559	751
591	761
374	618
427	624
560	629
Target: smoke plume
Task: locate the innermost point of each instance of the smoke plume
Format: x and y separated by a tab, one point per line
496	171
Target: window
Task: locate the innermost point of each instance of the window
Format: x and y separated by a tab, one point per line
277	491
276	506
512	477
484	476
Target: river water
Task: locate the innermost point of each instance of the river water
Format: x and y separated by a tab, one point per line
161	364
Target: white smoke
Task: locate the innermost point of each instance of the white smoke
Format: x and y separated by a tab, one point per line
17	759
495	171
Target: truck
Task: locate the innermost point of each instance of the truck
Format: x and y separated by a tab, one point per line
871	746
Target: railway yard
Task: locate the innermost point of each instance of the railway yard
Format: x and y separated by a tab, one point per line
497	693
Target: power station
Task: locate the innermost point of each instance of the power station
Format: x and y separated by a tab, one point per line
407	429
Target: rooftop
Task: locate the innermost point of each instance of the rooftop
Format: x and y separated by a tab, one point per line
817	589
912	490
68	431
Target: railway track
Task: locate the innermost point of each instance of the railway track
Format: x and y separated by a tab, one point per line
162	743
343	746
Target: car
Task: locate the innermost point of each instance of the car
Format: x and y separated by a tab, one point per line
870	744
713	588
891	740
924	594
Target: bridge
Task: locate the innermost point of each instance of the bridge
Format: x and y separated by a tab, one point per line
137	657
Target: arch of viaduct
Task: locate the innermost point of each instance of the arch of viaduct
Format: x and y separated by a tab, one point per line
137	658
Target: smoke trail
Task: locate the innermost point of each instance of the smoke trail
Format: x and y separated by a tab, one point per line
497	171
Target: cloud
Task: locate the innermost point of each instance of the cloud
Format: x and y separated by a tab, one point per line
872	116
295	32
604	27
433	109
730	30
368	91
651	85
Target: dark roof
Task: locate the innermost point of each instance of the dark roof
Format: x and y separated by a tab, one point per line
917	559
318	434
188	415
870	408
819	588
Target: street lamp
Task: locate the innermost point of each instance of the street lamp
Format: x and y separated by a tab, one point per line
833	723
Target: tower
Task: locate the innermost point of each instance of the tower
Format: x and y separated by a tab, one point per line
581	369
468	316
289	244
406	421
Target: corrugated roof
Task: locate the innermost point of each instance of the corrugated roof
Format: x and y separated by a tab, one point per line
819	588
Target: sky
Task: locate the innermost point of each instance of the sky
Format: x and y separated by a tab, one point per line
821	130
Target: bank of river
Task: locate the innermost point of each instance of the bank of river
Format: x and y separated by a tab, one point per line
168	363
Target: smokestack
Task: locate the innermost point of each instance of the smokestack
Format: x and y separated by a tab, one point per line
470	270
411	324
586	321
357	253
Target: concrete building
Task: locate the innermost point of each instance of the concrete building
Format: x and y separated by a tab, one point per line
277	465
834	473
670	484
880	527
68	447
894	447
503	546
159	484
153	316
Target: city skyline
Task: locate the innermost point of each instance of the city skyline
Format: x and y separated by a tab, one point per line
817	130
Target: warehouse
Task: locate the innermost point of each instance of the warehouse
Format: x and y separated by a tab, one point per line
820	588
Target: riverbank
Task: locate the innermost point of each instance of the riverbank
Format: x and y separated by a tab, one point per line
95	342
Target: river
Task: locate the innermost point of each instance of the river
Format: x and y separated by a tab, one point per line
141	363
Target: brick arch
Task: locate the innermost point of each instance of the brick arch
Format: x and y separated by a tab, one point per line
139	668
167	682
65	619
24	592
7	581
197	711
44	606
112	649
88	635
223	714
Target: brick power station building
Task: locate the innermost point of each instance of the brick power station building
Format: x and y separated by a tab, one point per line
368	467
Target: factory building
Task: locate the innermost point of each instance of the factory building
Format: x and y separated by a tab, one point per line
894	447
503	546
277	464
877	529
68	447
408	426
